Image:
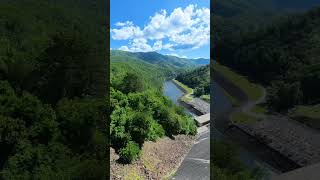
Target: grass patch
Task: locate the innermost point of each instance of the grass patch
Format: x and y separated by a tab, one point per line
150	162
184	87
186	98
253	91
205	98
259	109
309	115
187	90
133	174
233	100
240	117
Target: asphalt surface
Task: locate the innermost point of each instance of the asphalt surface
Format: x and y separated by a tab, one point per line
196	165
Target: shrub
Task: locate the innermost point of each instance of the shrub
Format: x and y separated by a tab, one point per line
282	96
156	131
130	153
139	126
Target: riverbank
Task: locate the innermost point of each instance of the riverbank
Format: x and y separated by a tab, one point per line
187	97
252	90
196	105
235	133
244	106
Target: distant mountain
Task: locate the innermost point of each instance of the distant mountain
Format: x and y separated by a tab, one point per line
163	60
202	61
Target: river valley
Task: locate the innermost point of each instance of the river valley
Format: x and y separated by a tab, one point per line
221	106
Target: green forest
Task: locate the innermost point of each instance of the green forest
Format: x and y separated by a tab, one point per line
140	111
197	79
283	56
52	90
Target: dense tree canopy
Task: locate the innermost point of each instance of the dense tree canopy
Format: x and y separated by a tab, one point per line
287	51
198	79
52	90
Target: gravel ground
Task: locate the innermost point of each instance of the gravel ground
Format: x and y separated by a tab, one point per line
292	139
200	105
158	159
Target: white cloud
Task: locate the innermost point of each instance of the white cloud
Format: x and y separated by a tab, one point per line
187	28
124	48
137	45
127	31
174	54
127	23
140	45
157	45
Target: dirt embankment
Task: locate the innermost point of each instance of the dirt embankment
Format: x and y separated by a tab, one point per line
158	159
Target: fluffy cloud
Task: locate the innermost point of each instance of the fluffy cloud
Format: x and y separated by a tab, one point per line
140	45
126	31
188	28
174	54
124	48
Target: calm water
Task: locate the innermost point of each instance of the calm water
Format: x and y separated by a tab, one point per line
220	102
172	91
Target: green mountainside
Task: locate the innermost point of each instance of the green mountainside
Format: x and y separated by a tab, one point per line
166	61
53	77
284	56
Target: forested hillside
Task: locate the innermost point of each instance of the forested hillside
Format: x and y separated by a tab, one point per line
284	56
172	64
233	18
140	111
52	90
198	79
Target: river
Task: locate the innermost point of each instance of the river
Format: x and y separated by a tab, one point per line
221	105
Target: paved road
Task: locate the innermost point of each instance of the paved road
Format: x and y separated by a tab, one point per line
196	165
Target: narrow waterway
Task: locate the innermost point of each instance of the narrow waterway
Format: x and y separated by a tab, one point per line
221	105
172	91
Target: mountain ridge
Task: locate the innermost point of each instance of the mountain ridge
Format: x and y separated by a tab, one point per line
163	60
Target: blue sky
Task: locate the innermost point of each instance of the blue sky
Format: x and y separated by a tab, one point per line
175	27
